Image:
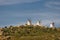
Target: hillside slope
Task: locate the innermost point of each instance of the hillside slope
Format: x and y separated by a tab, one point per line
31	33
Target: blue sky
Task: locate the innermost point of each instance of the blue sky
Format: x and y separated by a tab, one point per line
16	12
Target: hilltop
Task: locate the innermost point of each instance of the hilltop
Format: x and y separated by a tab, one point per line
30	33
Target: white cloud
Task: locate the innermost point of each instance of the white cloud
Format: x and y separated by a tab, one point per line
7	2
53	5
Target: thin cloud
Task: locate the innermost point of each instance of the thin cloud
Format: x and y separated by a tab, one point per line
53	5
7	2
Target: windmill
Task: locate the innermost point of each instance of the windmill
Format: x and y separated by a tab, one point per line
29	22
52	25
38	23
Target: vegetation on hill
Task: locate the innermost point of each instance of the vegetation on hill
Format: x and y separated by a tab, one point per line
31	33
